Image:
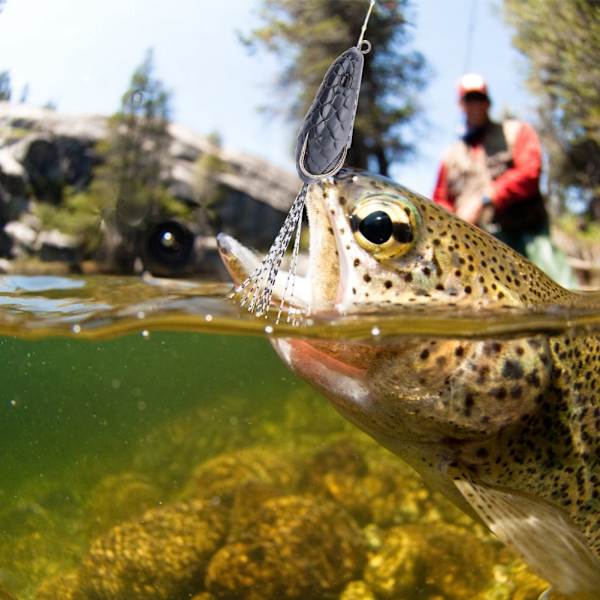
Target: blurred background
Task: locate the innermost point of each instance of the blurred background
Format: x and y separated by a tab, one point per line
130	133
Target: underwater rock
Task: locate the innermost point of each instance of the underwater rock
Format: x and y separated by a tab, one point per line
357	590
370	486
220	477
439	559
171	451
119	497
60	587
514	581
161	556
295	547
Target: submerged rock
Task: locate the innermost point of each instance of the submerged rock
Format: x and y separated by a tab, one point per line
357	590
120	496
161	556
437	560
293	547
220	477
370	486
60	587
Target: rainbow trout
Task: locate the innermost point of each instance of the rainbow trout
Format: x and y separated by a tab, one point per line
509	429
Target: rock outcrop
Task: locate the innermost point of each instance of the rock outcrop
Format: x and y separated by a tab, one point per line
43	151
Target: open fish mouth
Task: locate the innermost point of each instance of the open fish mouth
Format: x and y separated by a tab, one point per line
241	262
318	289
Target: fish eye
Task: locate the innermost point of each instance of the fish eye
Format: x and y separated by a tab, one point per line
384	225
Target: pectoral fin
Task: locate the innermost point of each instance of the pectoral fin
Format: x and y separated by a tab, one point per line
540	532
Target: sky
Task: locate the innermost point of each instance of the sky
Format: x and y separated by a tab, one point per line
80	54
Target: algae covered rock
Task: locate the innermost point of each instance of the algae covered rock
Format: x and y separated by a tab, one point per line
371	486
357	590
293	547
119	497
439	559
220	477
161	556
63	587
514	581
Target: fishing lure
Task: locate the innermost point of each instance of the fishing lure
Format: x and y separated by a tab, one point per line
326	132
323	142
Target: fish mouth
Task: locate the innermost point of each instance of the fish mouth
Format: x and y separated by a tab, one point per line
318	290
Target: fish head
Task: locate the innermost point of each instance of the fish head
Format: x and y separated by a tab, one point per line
374	246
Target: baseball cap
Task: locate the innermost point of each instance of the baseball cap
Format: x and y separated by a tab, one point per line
472	83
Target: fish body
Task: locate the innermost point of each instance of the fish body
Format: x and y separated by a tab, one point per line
507	428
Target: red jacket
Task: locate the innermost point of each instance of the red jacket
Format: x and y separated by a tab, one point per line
517	183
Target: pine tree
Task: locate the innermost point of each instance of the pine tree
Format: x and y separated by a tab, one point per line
138	146
561	40
5	88
309	35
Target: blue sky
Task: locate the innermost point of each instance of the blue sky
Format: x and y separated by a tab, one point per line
81	54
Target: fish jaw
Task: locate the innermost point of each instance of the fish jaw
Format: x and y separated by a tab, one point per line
241	262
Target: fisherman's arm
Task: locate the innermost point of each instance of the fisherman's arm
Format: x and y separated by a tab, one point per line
522	180
441	194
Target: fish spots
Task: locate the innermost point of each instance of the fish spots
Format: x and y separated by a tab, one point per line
511	369
387	284
469	403
499	393
356	262
366	278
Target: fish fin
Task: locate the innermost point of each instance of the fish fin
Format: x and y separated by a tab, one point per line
540	532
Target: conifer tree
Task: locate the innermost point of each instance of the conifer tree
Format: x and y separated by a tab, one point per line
138	145
5	88
561	40
309	35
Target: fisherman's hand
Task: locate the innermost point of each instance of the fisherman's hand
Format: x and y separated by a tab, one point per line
470	209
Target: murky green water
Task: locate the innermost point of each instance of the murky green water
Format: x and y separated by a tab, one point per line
152	446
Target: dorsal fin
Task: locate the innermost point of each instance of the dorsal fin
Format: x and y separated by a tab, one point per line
540	532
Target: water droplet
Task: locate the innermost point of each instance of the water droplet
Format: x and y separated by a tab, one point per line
116	384
13	402
269	329
76	328
208	318
145	334
141	314
375	331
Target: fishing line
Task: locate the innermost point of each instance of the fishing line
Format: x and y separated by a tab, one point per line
470	35
322	144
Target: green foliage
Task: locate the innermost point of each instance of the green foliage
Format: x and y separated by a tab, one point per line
561	39
129	182
309	35
5	87
79	214
137	147
208	167
580	230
